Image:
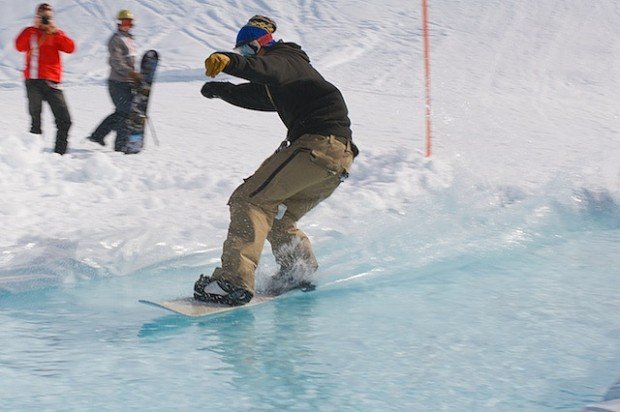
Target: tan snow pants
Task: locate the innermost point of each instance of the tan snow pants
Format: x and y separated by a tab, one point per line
298	177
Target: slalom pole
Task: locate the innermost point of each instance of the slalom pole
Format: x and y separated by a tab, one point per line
427	76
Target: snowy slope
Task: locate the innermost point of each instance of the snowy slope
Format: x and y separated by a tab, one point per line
529	84
186	31
524	100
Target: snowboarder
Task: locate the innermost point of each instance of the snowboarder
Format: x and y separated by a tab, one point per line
121	82
307	167
42	42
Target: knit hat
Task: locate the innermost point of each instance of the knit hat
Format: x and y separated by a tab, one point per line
259	28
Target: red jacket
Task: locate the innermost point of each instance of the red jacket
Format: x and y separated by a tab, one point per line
43	53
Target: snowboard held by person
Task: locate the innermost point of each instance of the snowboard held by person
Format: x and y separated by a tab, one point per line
42	42
306	169
121	83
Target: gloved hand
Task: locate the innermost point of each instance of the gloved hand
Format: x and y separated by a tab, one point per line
135	77
212	90
215	63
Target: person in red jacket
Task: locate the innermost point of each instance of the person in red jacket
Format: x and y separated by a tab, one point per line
42	44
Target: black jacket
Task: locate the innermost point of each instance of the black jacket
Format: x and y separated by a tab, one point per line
283	80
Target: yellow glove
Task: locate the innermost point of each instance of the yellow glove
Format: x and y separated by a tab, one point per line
215	64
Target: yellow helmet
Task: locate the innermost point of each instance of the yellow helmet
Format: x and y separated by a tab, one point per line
124	15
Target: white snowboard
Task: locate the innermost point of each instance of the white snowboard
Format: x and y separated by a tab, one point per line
188	306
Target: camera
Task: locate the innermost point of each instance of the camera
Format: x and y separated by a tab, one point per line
45	20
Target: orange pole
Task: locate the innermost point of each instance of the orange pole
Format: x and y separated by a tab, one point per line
427	76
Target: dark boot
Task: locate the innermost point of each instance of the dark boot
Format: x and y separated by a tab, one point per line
210	290
61	146
61	137
95	140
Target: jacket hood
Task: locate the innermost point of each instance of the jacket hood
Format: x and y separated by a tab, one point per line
288	47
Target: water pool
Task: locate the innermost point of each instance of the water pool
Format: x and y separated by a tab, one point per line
532	325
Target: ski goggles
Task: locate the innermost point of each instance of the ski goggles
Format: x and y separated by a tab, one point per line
248	49
251	48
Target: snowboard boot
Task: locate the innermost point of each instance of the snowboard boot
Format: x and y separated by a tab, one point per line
210	290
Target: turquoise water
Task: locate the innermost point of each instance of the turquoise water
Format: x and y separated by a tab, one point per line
509	307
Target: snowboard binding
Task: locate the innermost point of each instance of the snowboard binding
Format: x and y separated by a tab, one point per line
223	292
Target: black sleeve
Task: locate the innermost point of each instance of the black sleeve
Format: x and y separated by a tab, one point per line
269	70
247	95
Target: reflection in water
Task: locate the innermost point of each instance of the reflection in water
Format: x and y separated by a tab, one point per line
262	353
269	360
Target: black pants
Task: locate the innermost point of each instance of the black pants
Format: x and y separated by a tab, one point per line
122	95
40	90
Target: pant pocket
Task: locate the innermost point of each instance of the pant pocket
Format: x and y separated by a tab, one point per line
326	161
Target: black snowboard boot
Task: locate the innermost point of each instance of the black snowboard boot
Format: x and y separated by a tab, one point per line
210	290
